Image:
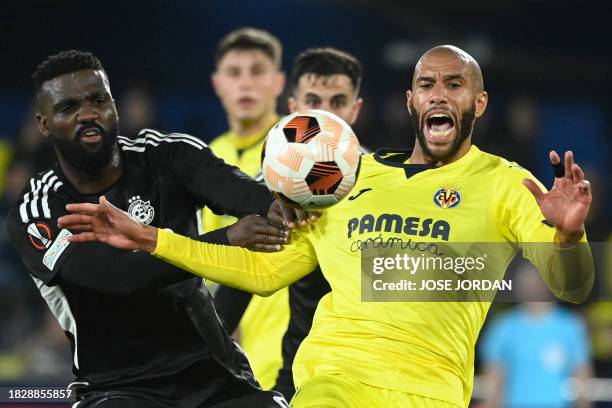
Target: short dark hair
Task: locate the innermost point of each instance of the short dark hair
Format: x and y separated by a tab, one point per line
62	63
248	38
326	62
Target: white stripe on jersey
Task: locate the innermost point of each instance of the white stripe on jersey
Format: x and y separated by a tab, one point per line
34	202
142	148
47	175
280	401
150	139
174	134
55	298
24	205
153	138
199	221
39	193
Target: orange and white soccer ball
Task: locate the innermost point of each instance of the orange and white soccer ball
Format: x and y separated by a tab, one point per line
311	159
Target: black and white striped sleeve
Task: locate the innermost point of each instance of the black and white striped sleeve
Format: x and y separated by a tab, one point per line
32	226
51	259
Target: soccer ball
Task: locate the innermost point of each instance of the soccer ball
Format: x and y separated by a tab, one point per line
311	159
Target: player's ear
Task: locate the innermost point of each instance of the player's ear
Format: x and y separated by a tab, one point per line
41	122
356	110
409	101
279	84
214	80
482	99
292	104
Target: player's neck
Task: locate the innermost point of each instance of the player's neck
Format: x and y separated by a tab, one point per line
419	156
246	128
86	183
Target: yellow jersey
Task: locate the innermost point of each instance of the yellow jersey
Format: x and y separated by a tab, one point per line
421	348
266	319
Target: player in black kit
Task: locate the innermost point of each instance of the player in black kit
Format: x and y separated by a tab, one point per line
143	333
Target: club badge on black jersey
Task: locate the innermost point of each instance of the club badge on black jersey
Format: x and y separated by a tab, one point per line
141	211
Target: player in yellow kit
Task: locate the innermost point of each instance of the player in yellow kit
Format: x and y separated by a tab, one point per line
248	80
394	354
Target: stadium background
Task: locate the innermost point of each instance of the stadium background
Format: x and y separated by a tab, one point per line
546	66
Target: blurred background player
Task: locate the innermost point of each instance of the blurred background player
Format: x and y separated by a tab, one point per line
327	79
531	352
248	80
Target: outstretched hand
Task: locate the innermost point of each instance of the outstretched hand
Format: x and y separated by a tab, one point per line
567	203
107	224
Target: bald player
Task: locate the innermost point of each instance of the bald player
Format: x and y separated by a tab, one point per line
445	190
445	78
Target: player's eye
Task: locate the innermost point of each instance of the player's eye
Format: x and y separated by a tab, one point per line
426	85
257	70
233	72
338	104
454	85
66	108
313	102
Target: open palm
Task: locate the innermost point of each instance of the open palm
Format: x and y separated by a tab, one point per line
567	203
104	223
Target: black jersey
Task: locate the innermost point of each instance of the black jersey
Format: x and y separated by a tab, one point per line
304	296
130	317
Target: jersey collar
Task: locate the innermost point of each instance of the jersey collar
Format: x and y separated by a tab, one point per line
400	158
244	143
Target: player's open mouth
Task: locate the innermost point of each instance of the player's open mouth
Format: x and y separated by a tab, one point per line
439	126
91	135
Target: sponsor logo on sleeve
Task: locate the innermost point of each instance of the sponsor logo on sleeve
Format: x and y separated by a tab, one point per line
57	248
40	235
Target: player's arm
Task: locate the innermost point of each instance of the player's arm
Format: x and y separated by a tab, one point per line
493	355
89	265
583	374
255	272
550	229
212	182
494	384
44	249
224	188
259	273
580	363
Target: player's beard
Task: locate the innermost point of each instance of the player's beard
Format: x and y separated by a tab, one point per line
91	162
464	130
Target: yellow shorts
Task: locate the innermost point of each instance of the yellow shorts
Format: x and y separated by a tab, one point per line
337	391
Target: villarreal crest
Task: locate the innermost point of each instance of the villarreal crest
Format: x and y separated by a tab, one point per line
447	197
